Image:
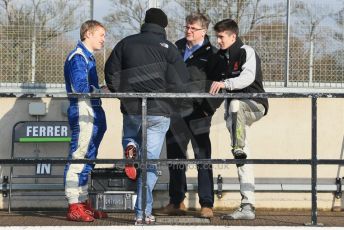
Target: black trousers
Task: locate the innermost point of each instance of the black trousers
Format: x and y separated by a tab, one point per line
194	128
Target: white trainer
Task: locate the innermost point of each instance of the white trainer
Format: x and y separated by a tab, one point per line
244	212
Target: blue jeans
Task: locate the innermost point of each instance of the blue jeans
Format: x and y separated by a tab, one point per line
157	127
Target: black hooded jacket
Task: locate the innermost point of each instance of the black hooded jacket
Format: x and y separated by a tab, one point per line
147	62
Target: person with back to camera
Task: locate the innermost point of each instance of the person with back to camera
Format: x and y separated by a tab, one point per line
146	62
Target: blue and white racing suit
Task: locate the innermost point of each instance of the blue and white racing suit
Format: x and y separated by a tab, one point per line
86	119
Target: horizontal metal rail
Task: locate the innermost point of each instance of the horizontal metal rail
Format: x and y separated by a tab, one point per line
62	161
176	95
228	186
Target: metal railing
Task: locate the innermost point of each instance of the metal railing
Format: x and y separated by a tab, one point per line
313	162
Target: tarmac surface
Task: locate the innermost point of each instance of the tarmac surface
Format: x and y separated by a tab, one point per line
263	218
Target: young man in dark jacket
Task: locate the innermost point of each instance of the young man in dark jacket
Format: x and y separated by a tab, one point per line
244	75
204	67
146	62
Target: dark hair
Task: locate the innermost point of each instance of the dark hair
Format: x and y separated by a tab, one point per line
198	17
89	25
227	25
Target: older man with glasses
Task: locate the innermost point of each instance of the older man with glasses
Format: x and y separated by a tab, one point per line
204	67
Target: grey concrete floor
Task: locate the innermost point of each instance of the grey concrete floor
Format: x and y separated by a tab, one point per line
263	218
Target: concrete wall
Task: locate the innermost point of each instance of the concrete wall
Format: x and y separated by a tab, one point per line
285	133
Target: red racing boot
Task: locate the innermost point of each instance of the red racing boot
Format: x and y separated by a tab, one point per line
97	214
77	212
130	153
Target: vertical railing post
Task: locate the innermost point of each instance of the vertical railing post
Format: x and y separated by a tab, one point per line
287	57
144	155
91	9
314	162
153	3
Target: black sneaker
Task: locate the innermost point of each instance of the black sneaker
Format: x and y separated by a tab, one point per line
239	154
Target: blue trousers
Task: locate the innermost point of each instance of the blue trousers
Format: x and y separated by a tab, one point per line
157	127
88	125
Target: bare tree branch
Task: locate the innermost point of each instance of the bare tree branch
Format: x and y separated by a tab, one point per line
127	17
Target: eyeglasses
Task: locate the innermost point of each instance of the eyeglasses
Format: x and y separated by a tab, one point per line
192	29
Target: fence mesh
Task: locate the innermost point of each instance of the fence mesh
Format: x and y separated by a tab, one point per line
36	36
316	38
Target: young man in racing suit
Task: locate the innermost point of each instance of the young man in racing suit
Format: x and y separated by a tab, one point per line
86	119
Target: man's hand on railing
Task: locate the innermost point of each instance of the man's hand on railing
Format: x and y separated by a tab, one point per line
102	89
216	86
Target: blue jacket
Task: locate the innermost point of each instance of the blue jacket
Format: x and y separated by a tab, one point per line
80	73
